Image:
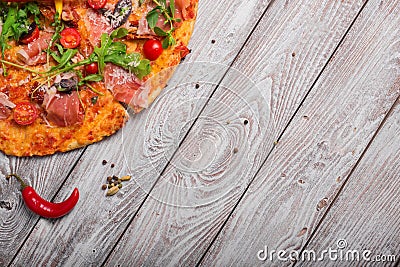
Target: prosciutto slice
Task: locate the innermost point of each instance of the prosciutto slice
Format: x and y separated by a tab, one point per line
122	84
125	86
32	53
4	112
63	109
186	8
5	104
96	25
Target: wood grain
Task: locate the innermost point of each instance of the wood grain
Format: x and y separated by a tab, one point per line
321	145
90	231
206	177
366	212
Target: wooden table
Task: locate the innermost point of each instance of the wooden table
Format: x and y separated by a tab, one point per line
281	131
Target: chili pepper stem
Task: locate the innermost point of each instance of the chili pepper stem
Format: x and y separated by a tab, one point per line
23	184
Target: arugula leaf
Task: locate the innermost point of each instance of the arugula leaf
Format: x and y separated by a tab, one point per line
17	20
115	52
11	20
172	8
119	33
91	78
64	59
32	8
7	33
165	43
59	27
152	18
60	49
168	41
101	51
169	14
160	32
124	60
55	57
132	63
116	48
143	69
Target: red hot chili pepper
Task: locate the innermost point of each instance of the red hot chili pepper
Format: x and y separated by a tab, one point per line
43	207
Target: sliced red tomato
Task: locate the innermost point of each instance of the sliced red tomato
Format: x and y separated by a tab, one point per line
97	4
25	113
152	49
70	38
92	68
31	37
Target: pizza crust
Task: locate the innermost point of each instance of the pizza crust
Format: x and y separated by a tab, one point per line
164	67
101	120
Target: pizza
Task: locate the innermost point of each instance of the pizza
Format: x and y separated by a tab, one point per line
70	69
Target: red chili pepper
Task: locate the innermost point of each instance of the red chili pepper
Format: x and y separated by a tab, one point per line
43	207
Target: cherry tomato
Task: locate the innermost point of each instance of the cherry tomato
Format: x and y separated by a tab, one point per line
31	37
152	49
97	4
92	68
70	38
25	113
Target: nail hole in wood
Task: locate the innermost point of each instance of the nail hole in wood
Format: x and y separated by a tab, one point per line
322	204
302	232
246	122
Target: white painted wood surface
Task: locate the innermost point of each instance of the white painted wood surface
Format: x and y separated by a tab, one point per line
320	147
204	179
211	191
73	239
368	206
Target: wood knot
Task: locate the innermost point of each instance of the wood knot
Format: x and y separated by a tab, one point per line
5	205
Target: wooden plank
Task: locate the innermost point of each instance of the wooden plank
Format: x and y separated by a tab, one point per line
320	147
102	220
206	177
365	214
